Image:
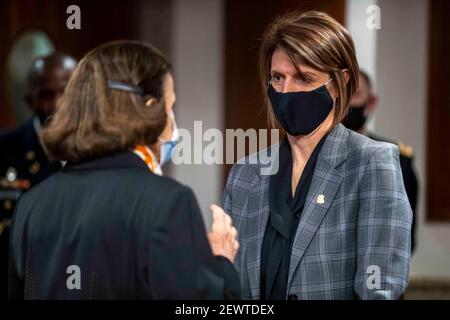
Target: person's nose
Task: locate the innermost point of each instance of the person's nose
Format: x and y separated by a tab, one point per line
289	86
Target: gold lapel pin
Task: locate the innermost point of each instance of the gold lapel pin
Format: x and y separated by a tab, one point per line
321	199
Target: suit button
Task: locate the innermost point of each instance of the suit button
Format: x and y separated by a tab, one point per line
292	297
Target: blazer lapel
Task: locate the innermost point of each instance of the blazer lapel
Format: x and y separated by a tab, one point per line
324	185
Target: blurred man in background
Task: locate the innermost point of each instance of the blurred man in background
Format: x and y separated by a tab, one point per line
23	162
362	105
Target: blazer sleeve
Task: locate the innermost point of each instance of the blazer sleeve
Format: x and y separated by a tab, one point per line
384	228
233	199
412	190
16	250
181	263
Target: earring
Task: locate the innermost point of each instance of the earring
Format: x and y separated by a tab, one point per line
150	102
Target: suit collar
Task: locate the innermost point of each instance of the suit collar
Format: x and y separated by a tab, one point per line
118	160
30	138
37	125
333	152
334	149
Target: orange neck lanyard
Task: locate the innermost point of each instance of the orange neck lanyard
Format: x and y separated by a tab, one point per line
147	156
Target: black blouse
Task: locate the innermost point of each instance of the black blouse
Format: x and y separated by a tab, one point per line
285	212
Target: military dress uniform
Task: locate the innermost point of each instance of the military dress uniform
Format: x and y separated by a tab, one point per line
23	164
409	179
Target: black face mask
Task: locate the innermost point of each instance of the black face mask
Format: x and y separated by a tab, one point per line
355	118
300	113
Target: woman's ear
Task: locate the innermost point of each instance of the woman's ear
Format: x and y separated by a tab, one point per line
346	75
150	102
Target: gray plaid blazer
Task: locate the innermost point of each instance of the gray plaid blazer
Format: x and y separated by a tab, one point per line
353	238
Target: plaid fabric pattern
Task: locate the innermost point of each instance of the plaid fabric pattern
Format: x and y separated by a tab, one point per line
353	239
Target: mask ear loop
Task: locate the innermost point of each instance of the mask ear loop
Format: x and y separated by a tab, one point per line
325	84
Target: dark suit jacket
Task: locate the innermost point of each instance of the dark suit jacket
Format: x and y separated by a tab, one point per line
411	185
111	229
21	150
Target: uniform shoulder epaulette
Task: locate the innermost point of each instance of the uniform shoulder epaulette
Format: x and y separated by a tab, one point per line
405	150
4	224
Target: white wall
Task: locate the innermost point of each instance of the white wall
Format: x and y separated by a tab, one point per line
365	40
402	83
198	28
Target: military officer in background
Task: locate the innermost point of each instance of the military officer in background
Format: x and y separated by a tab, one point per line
362	105
23	162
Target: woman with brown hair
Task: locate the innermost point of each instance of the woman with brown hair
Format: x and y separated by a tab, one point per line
108	226
333	222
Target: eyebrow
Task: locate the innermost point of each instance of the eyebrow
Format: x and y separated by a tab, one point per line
304	74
